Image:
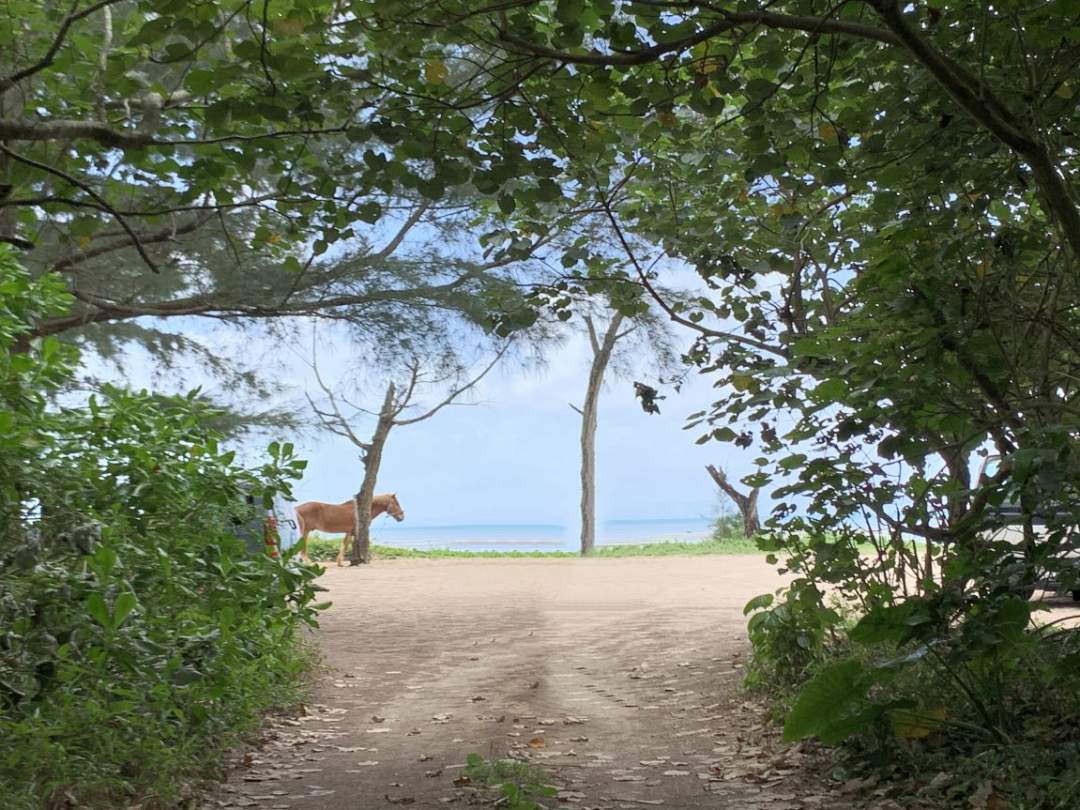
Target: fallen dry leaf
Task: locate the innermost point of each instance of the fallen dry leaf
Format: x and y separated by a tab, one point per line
537	742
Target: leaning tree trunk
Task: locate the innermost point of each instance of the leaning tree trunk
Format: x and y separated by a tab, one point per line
747	503
601	357
361	547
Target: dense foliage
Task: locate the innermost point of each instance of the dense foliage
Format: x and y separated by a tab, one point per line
882	200
139	632
200	160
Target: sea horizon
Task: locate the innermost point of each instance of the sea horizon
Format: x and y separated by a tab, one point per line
539	536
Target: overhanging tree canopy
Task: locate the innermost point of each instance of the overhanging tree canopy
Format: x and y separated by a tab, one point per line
882	196
220	160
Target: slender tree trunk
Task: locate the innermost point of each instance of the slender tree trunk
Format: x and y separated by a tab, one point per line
361	548
601	357
747	503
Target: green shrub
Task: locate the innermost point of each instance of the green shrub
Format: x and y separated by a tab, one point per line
523	785
138	635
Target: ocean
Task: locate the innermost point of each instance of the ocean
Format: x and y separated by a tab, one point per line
537	536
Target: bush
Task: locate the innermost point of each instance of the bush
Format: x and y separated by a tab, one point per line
523	786
138	635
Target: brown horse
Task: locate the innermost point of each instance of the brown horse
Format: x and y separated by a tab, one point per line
335	518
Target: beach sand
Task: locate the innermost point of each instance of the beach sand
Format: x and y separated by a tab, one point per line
620	677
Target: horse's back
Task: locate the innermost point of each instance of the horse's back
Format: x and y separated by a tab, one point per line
326	517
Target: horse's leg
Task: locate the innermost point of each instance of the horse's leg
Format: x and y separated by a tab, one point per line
304	538
341	550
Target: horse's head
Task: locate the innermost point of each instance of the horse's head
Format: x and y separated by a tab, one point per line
394	508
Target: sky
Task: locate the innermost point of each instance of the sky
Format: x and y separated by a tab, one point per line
512	454
509	454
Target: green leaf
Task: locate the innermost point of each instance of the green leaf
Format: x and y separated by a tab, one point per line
95	606
724	434
831	705
123	605
793	462
758	603
830	390
742	382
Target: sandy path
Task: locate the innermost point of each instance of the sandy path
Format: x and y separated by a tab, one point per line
626	669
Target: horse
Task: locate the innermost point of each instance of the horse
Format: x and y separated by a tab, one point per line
335	518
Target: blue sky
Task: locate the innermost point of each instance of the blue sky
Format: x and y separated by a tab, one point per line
512	456
509	456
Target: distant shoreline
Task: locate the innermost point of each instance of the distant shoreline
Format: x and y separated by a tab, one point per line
534	537
325	549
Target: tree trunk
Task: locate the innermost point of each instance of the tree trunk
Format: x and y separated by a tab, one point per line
361	548
601	356
747	503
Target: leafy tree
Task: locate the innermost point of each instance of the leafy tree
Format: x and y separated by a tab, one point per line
882	201
882	197
219	161
747	503
643	335
138	634
338	415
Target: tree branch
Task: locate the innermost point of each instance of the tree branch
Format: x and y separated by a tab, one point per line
666	307
65	130
67	178
202	305
344	428
7	82
458	391
395	242
975	98
732	20
161	235
593	341
403	401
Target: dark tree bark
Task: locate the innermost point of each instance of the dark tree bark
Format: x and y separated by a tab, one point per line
372	457
747	503
395	402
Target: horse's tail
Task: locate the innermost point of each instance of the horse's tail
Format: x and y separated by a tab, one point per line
300	522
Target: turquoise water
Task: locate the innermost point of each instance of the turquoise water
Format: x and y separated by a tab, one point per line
536	536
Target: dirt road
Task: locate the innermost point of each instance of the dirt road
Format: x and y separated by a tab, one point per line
618	676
